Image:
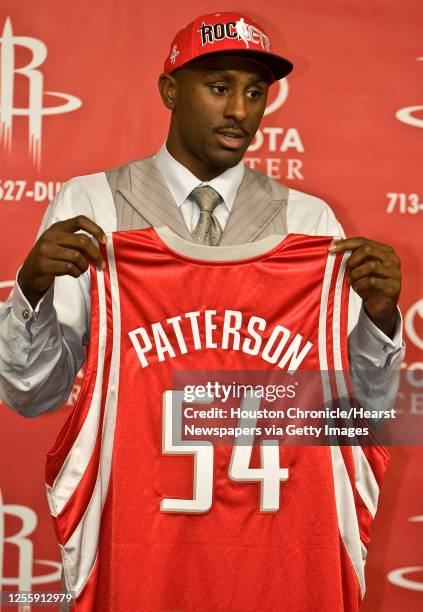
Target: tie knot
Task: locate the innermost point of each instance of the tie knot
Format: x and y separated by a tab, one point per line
206	197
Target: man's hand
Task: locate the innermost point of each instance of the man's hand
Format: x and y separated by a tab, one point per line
57	252
374	272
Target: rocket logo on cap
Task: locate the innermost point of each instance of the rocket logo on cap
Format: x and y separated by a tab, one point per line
242	30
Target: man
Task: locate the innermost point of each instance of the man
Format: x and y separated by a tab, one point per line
215	83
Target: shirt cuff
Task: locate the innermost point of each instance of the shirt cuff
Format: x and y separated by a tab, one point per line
375	344
23	311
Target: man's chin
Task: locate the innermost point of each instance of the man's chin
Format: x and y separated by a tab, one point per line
226	158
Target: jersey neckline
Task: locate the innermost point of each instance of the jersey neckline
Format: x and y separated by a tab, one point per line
229	254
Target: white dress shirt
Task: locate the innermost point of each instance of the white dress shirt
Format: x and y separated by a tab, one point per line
181	183
42	349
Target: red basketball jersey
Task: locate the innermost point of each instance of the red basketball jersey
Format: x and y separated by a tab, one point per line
144	523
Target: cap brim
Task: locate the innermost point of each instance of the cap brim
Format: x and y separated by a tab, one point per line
279	66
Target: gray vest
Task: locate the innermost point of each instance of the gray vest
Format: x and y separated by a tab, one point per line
142	199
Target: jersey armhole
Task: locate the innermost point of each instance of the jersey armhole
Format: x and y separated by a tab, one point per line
73	424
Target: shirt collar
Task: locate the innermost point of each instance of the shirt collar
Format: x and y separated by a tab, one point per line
181	181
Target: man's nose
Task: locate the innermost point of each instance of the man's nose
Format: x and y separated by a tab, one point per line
236	107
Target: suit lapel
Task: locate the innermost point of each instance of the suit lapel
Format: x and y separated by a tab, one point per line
254	208
149	195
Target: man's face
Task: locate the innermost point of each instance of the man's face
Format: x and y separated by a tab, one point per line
219	103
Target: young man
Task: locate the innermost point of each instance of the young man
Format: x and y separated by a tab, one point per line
215	83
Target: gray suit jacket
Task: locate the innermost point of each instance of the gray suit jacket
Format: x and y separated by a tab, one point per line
143	199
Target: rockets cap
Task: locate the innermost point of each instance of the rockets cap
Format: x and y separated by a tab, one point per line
229	34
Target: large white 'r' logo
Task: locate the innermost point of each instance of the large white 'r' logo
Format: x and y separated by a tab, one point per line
35	110
25	580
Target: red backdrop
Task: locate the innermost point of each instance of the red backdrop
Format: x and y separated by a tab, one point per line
346	126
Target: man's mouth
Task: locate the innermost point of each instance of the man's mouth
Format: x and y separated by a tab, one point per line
231	139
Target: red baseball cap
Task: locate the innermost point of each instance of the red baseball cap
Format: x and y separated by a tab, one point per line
228	33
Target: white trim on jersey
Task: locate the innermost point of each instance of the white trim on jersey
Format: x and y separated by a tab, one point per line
78	458
323	358
365	481
109	422
344	495
337	354
77	566
80	551
347	514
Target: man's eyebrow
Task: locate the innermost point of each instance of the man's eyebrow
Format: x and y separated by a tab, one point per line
228	75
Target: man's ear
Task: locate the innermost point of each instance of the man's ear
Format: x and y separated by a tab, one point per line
168	89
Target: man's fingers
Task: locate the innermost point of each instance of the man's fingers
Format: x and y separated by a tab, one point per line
368	284
374	272
370	252
82	223
59	251
339	245
363	249
72	256
62	268
83	244
373	268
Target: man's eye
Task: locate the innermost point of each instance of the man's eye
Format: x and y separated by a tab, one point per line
254	94
220	89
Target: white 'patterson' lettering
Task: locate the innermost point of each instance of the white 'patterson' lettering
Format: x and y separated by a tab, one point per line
228	330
